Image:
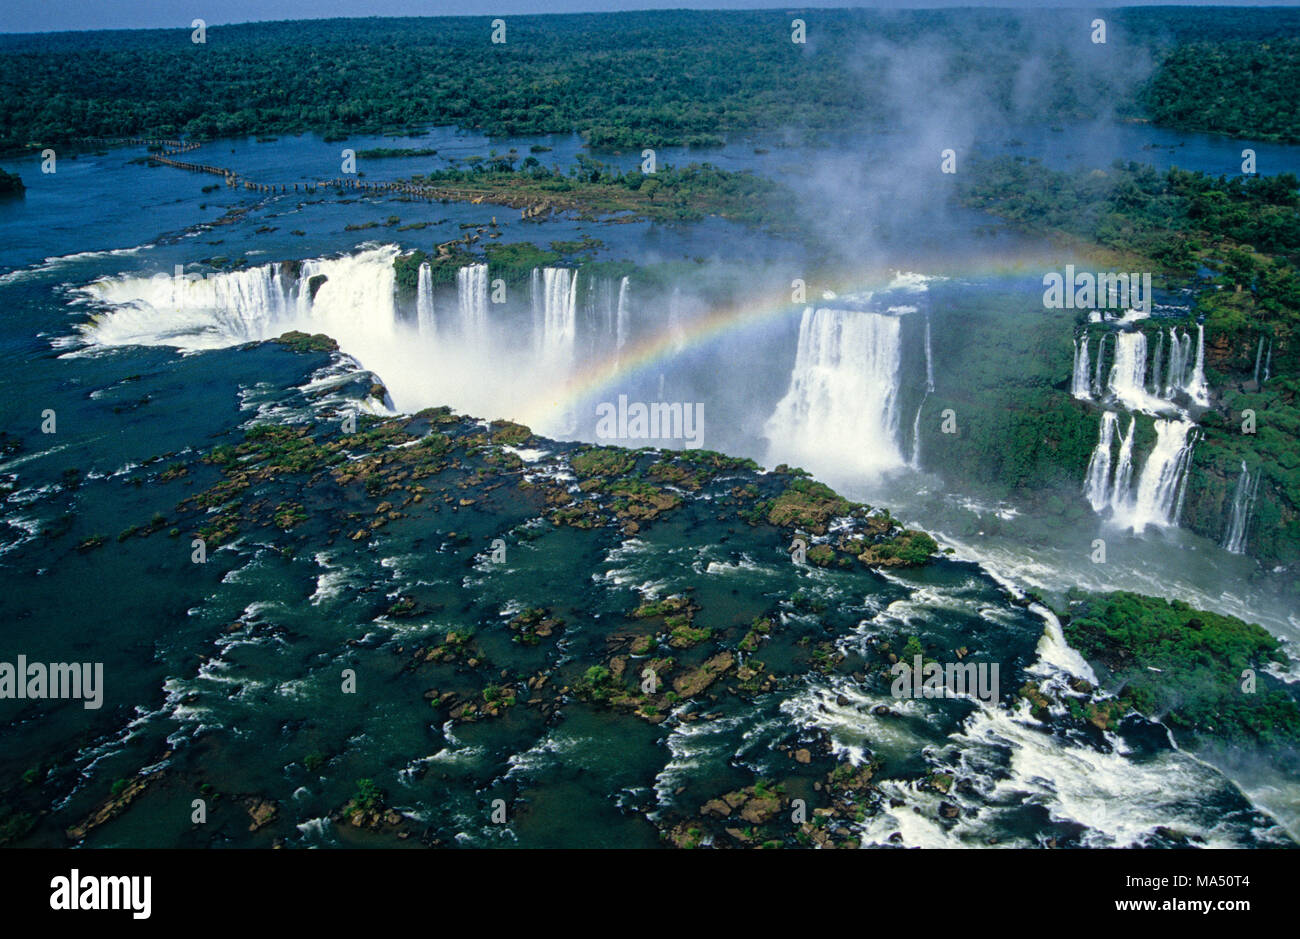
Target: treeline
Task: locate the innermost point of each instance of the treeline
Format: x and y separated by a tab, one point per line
1240	88
625	80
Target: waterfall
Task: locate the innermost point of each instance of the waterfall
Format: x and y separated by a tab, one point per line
675	328
353	299
596	316
1097	387
353	283
1180	348
840	412
1119	491
471	294
190	312
929	358
1127	381
1196	387
1157	497
1162	477
538	304
226	308
1155	363
915	462
1098	474
246	301
1267	359
1243	501
1079	386
620	318
424	303
555	306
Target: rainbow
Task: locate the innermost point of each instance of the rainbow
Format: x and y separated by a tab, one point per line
593	378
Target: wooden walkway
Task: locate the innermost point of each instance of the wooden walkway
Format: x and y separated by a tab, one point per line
170	149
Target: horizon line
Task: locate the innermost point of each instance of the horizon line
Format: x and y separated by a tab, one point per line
903	6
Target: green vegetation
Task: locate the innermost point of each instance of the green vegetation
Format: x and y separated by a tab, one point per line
314	762
1246	228
683	635
807	505
382	153
1185	666
662	607
1245	231
631	80
406	268
911	649
603	461
1270	453
368	797
11	184
289	514
1239	88
595	189
302	342
14	825
1015	432
514	262
908	548
598	684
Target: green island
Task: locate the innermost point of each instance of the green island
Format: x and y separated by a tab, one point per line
1203	674
388	153
593	189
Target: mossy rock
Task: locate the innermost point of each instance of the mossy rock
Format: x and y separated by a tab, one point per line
807	505
299	341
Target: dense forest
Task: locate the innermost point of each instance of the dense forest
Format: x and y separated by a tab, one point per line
638	79
1231	88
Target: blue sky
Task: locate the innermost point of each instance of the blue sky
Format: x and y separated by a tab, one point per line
43	15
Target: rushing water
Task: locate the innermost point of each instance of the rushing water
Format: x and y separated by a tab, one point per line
232	668
1243	501
841	404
